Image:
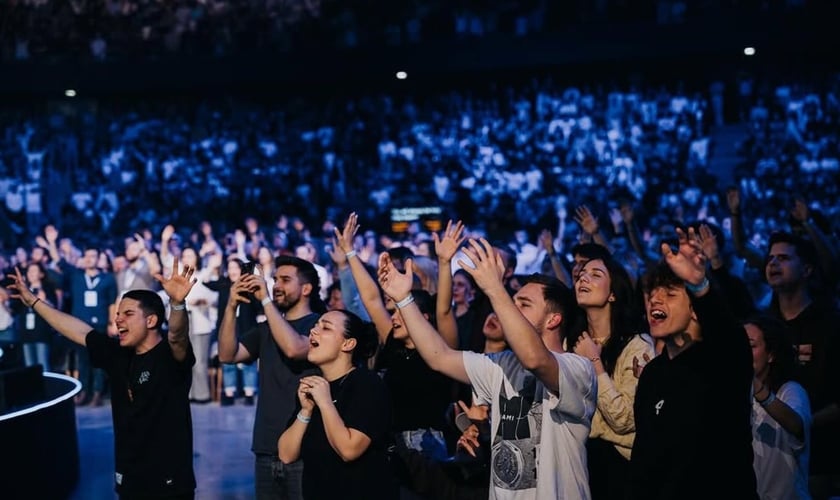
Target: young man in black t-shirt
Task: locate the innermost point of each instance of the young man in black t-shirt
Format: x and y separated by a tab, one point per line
150	382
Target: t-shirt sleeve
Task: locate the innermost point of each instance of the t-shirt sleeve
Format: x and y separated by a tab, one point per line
794	395
484	374
577	387
252	340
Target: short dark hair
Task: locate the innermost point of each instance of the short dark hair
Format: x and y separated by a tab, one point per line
660	276
557	296
805	249
306	272
150	303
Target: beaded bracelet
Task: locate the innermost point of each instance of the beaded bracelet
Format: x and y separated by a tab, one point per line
303	419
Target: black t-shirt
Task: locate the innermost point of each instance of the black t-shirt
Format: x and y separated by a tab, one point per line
420	396
153	443
278	380
362	401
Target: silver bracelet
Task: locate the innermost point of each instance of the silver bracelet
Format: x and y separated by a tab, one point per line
303	419
351	253
178	307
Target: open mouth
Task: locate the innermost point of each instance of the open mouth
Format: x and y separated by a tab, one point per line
657	315
313	343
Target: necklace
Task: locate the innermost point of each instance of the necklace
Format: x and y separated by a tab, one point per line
341	382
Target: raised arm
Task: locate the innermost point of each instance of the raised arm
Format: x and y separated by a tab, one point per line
230	349
560	272
445	248
826	252
521	336
71	327
431	346
293	344
739	238
589	223
177	287
371	298
632	229
165	256
349	291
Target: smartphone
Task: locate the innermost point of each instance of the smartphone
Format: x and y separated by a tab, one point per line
249	267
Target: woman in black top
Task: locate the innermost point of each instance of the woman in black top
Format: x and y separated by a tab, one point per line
34	333
342	427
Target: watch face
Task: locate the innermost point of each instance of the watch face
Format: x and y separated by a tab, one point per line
508	464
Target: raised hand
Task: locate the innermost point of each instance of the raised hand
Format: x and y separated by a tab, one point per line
345	237
395	284
239	293
215	260
167	233
489	266
615	217
255	284
178	286
733	200
338	256
626	210
447	245
689	262
20	290
547	241
800	211
587	221
708	242
51	234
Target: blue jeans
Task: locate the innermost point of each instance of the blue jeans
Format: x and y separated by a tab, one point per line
249	376
37	353
275	480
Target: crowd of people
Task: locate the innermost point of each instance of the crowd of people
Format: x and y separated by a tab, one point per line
49	30
579	336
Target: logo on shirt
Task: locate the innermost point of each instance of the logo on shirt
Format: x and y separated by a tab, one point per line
659	405
144	377
516	444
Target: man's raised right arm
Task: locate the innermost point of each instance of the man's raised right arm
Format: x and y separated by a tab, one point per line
230	349
65	324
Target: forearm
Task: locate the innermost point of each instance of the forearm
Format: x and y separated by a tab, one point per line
431	346
69	326
520	335
444	314
179	330
786	417
288	446
350	293
341	438
560	271
293	345
371	298
228	345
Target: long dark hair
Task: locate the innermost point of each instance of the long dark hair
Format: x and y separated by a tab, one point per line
624	314
778	341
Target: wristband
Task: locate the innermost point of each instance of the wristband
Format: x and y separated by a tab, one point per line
695	289
769	399
404	302
303	419
265	301
596	358
351	253
37	299
178	307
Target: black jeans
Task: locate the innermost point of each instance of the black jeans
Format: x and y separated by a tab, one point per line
275	480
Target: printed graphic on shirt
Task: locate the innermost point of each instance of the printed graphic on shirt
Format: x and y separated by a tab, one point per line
517	439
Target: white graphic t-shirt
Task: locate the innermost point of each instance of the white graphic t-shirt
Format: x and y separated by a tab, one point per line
538	438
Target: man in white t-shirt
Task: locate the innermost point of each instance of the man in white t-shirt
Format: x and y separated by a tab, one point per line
542	399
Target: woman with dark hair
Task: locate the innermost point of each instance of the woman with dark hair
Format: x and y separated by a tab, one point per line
33	331
608	335
341	429
781	413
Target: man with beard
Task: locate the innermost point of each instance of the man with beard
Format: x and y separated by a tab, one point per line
281	344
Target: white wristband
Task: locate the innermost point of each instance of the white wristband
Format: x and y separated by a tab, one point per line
303	419
404	302
351	253
267	300
178	307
